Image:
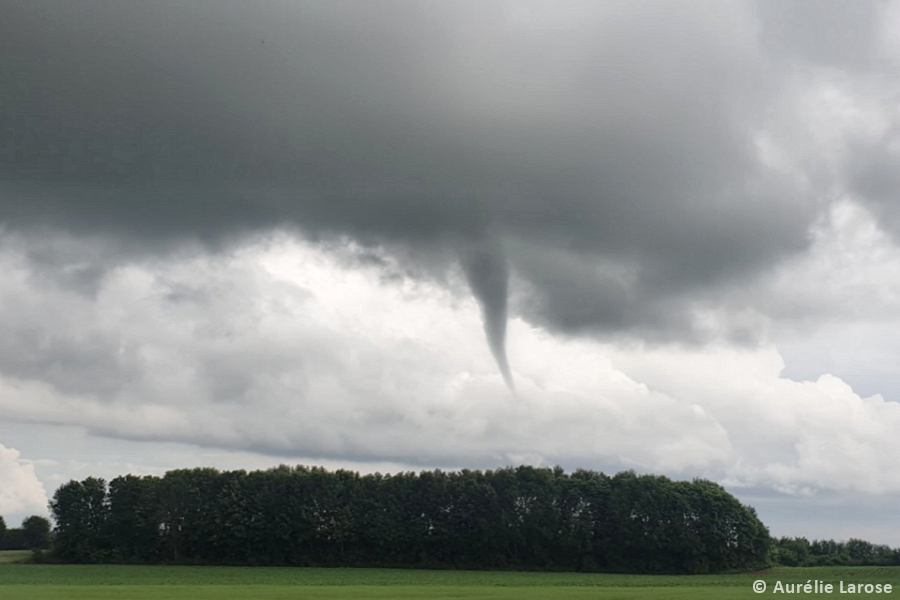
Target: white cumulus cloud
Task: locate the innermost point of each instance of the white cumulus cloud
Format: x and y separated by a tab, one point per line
20	490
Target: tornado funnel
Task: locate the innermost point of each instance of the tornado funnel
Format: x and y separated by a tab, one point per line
488	276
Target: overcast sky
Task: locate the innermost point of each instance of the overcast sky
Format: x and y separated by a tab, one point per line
391	235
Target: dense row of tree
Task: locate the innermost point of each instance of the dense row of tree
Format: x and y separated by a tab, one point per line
34	534
513	518
800	552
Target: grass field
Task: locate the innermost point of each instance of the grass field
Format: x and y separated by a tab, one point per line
14	556
108	582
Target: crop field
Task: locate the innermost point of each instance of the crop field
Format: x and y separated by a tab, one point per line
107	582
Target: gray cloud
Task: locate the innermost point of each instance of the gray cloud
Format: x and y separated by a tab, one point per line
603	134
827	31
875	177
276	349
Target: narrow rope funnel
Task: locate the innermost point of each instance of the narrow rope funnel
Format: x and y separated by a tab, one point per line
488	276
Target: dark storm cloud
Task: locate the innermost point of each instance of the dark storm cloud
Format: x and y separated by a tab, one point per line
617	133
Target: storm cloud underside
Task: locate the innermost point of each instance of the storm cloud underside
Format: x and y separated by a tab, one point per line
622	151
616	133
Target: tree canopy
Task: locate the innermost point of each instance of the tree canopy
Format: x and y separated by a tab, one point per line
510	518
800	552
36	533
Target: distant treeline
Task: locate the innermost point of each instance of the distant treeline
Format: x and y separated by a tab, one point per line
800	552
34	534
512	518
13	539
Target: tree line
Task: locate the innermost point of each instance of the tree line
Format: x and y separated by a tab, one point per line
510	518
800	552
34	534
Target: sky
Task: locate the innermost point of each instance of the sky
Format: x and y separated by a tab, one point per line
395	235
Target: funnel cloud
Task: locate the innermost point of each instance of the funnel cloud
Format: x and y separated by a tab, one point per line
488	276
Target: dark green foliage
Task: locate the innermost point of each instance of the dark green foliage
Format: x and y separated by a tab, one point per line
799	552
36	533
512	518
15	539
81	512
135	517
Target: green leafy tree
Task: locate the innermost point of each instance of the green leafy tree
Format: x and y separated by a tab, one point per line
2	532
81	512
135	517
187	526
36	532
15	540
792	552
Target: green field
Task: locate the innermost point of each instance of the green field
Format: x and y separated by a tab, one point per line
14	556
89	582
